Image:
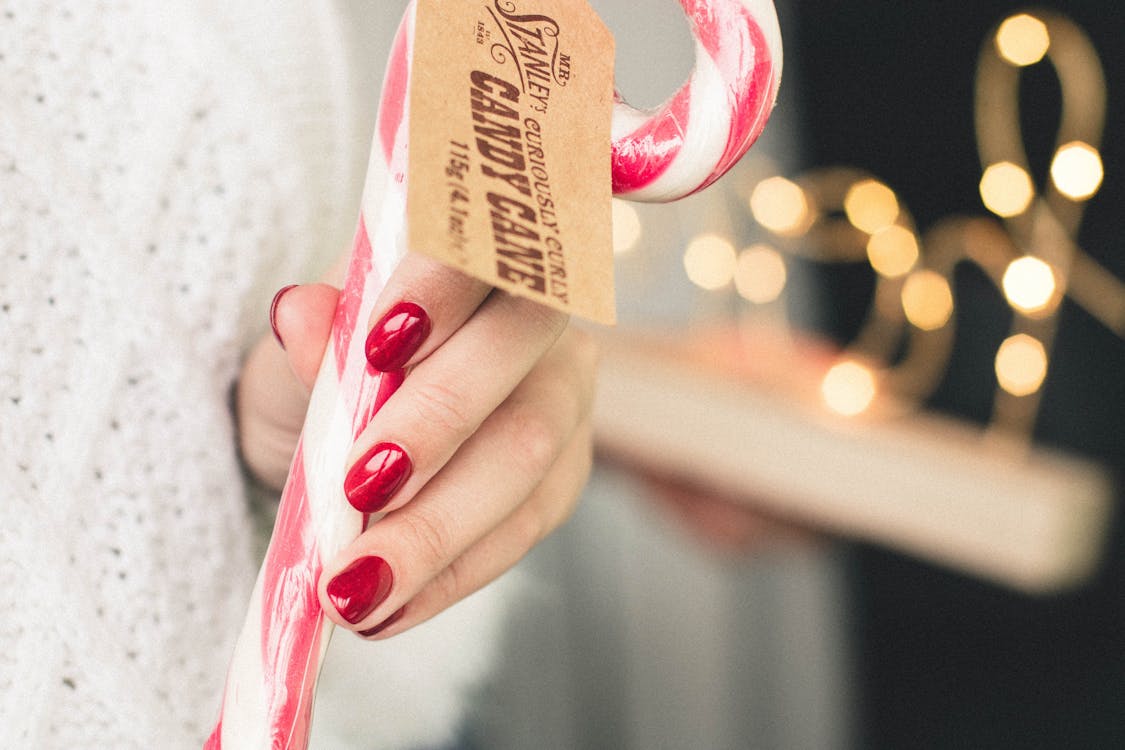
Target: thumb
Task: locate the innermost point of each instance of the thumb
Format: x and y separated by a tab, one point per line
301	317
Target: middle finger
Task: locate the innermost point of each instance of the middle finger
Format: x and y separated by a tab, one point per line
447	396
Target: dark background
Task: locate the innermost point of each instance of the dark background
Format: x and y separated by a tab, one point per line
944	661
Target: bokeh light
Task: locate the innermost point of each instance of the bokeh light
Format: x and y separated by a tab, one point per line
927	300
870	205
849	388
710	261
1021	365
781	206
1029	284
760	275
893	251
626	227
1006	189
1077	170
1022	40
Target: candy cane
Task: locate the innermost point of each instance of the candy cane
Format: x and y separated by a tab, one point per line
673	151
706	127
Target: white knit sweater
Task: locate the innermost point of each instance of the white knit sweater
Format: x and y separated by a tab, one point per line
163	168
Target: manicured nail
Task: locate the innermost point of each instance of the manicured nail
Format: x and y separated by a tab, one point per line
273	311
376	477
358	589
395	338
384	624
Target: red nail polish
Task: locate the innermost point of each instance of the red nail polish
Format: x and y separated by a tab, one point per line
376	477
358	589
273	311
395	338
384	624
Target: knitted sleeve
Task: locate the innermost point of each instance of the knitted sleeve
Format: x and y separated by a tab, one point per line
155	188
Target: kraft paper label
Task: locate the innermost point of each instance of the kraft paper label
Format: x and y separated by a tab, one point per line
509	168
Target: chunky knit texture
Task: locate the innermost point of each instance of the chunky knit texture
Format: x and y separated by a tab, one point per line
163	168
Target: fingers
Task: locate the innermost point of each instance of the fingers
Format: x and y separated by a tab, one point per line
301	317
481	452
423	303
446	398
531	446
273	387
548	508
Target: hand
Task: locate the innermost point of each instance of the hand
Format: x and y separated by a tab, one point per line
724	524
480	454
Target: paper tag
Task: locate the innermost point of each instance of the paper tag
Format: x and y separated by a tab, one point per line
509	169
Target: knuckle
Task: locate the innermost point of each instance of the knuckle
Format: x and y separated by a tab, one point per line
540	317
431	536
574	363
533	526
448	587
564	510
560	511
535	441
439	405
559	517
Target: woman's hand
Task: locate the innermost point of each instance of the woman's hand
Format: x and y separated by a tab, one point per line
479	455
721	523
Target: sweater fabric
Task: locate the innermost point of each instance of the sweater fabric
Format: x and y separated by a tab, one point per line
164	167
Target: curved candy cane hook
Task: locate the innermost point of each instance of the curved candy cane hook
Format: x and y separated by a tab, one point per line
706	127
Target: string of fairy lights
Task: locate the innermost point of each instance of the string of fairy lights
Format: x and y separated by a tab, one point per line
1029	250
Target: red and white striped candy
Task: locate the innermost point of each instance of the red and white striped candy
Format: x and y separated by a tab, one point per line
676	150
706	127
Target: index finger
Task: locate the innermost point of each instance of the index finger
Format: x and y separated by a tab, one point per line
446	398
421	306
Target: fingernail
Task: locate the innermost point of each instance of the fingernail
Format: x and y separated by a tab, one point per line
376	477
397	336
384	624
273	311
358	589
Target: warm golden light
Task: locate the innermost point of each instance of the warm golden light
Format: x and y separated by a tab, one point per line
1023	40
1006	189
849	388
626	227
1077	170
781	206
1021	365
870	205
760	276
710	261
1029	284
927	300
893	251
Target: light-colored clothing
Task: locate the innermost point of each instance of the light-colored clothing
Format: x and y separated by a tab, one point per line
164	167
